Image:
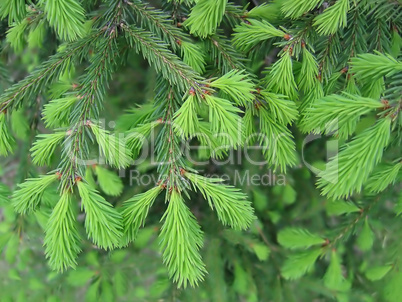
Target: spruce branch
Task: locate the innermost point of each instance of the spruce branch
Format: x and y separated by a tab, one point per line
113	149
28	196
135	211
225	121
277	142
337	114
308	73
56	113
295	9
136	137
223	55
346	173
295	238
186	122
44	147
158	22
247	35
333	18
6	139
373	66
282	109
47	72
237	85
281	78
164	61
66	17
62	238
231	205
15	9
382	178
102	221
205	17
180	240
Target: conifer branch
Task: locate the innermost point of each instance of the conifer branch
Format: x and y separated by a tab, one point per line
47	72
164	61
29	194
205	17
180	239
349	169
232	206
102	221
62	238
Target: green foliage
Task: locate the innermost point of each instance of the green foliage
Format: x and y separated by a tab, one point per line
300	264
333	18
256	95
277	143
62	238
102	221
43	149
109	182
366	237
136	210
29	194
247	35
343	176
231	205
57	111
225	121
293	238
297	9
337	114
180	241
381	179
236	85
113	149
6	140
205	16
281	79
333	278
15	9
377	272
66	17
